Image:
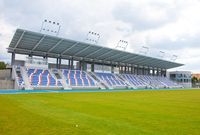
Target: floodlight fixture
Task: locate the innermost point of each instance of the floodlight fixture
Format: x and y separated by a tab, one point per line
122	44
174	57
161	54
93	37
144	50
50	27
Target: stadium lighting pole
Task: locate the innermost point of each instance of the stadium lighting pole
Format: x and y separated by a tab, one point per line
93	37
162	54
58	29
174	57
42	25
122	44
50	26
144	50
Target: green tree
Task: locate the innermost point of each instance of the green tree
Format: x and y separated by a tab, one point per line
2	65
195	81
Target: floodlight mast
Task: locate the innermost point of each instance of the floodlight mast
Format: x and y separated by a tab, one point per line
174	57
122	44
50	27
162	54
144	50
93	37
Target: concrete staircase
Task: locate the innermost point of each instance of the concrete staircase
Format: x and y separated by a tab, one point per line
129	85
26	79
101	84
63	80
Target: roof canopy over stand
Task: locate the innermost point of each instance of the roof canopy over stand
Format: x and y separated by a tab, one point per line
37	44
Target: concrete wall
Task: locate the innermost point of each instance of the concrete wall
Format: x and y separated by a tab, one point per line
5	74
6	84
5	79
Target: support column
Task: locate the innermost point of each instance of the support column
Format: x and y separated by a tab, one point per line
13	59
80	65
72	64
119	68
165	73
153	72
57	63
125	69
139	71
69	63
162	72
135	70
84	66
132	69
112	69
159	72
92	67
59	66
128	69
143	72
156	72
149	71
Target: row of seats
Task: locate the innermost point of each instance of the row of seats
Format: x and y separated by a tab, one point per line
42	77
149	81
134	80
168	82
152	81
110	79
77	78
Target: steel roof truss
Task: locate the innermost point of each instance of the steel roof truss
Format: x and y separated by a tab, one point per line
38	43
69	48
58	43
19	39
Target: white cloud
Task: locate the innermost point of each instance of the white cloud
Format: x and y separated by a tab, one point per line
6	34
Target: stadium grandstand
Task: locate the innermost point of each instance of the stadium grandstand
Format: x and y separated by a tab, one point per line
97	67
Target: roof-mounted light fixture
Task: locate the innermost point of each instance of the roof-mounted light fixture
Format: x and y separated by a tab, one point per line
122	44
144	50
174	58
50	27
93	37
161	54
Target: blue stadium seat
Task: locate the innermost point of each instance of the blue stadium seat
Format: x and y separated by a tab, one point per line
77	78
110	79
41	77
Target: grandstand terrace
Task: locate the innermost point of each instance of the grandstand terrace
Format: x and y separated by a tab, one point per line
98	67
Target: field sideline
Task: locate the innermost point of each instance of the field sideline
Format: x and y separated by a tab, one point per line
100	113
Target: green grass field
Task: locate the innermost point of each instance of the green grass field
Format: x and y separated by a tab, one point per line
101	113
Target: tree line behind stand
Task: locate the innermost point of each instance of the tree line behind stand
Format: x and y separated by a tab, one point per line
2	65
195	82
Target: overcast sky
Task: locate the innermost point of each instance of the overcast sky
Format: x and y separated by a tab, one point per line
172	26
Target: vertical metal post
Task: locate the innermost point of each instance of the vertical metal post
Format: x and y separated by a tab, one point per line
69	63
60	63
72	64
13	59
56	62
92	67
